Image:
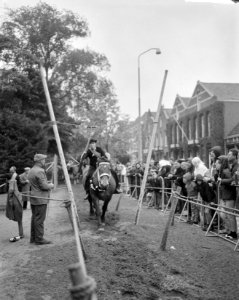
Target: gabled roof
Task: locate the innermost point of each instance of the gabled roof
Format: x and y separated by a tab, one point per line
235	131
223	91
181	100
185	100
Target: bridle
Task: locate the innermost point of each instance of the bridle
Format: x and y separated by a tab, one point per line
103	174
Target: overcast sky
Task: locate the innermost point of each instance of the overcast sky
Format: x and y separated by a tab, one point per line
198	41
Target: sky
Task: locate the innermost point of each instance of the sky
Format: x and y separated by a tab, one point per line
199	40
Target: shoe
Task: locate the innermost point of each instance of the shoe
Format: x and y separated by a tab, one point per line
86	197
204	228
14	239
43	242
231	235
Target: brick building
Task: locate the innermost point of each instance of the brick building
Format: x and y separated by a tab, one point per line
207	119
160	149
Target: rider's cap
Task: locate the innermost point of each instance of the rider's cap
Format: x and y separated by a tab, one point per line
93	141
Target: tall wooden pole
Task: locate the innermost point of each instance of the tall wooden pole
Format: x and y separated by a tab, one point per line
142	188
64	167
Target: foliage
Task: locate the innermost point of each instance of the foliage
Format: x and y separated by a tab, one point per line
41	32
77	83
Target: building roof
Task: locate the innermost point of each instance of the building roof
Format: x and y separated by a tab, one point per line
235	131
223	91
185	100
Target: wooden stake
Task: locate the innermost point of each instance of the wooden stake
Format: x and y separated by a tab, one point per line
169	221
118	202
142	188
64	167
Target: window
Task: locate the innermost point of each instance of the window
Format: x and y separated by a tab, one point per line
172	133
189	129
176	133
208	124
202	119
196	128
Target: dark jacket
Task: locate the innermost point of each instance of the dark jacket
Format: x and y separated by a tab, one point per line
39	186
94	156
154	183
227	191
206	192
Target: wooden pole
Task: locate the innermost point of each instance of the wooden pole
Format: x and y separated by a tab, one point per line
142	188
118	202
169	221
64	167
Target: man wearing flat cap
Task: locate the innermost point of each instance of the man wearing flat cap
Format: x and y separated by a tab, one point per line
39	193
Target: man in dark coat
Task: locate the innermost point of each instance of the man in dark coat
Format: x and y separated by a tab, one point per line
94	153
40	189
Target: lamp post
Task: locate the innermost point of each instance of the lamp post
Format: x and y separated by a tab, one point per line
140	155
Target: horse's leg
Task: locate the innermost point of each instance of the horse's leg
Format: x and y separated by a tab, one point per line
96	203
92	213
104	209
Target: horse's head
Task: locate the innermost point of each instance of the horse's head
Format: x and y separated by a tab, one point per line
104	174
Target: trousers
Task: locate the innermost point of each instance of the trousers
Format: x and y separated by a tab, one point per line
37	222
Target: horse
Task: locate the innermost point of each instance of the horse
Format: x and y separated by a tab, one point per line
102	187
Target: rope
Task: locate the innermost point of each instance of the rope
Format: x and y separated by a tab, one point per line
52	199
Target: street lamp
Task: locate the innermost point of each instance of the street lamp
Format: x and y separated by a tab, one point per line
140	155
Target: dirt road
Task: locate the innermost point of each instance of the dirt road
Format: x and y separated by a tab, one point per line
124	259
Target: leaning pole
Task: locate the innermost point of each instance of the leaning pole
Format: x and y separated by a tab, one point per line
83	286
142	188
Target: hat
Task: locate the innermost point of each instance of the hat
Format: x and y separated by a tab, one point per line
199	177
217	150
92	141
39	157
27	169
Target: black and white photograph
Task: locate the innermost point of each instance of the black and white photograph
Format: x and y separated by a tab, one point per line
119	150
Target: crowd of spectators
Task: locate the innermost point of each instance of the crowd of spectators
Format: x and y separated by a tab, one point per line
213	186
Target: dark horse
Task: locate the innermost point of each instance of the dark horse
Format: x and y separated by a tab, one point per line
102	187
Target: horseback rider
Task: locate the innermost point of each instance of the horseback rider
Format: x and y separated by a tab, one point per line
94	153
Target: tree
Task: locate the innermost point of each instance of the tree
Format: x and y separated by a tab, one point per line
76	78
41	31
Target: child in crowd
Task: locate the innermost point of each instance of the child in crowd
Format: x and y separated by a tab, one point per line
153	194
208	196
190	186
